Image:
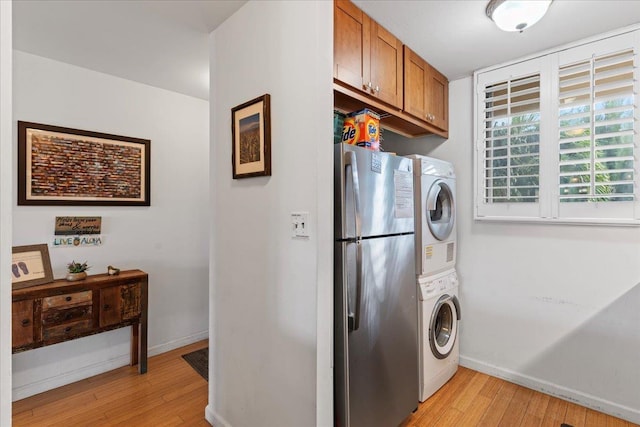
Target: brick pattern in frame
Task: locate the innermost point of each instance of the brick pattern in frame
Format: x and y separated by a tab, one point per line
75	167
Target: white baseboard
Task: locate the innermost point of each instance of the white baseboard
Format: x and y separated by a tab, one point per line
68	377
84	372
214	418
172	345
584	399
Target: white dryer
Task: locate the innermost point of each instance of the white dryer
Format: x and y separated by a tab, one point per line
435	215
439	317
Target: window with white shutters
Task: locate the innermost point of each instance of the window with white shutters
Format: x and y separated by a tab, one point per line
512	139
557	136
596	129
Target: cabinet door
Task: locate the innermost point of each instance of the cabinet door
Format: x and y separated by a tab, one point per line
22	323
415	80
351	45
438	99
386	66
110	306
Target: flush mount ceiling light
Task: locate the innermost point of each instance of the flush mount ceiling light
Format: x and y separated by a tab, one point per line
516	15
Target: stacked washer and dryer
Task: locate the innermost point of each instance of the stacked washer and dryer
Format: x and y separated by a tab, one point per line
438	308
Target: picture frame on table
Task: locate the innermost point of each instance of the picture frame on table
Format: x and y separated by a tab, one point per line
251	138
30	266
65	166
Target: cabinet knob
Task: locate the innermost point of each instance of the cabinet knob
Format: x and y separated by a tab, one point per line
68	298
67	316
67	329
25	322
106	307
377	89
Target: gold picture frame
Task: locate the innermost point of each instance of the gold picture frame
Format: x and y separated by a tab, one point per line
251	135
30	266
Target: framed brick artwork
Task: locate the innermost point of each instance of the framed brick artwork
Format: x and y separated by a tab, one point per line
63	166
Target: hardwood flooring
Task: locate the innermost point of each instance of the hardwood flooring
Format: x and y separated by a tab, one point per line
471	398
171	393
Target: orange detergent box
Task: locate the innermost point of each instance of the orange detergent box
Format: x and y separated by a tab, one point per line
362	128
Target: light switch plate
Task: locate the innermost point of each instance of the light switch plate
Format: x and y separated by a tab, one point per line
299	224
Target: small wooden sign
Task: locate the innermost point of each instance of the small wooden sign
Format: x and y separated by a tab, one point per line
77	225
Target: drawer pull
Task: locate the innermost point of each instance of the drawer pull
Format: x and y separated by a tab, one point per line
67	316
25	322
67	329
106	307
68	298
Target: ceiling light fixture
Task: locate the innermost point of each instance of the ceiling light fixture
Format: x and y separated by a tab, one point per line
516	15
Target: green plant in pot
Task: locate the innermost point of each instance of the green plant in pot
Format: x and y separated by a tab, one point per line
77	271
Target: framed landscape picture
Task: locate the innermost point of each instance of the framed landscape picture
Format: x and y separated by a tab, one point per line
63	166
30	266
251	134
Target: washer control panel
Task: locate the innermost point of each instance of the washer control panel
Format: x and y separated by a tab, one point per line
438	284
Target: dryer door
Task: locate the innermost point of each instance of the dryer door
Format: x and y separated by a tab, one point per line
440	210
443	328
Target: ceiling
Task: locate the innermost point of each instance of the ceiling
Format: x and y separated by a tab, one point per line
164	43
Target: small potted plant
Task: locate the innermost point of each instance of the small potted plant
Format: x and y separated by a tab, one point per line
77	271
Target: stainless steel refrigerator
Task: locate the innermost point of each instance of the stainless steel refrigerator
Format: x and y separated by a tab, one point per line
375	310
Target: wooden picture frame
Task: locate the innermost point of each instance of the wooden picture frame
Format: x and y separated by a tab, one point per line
30	266
251	131
64	166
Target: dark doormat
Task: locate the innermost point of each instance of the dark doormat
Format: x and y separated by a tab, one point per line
199	360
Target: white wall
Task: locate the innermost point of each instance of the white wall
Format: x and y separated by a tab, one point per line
271	301
6	184
552	307
168	240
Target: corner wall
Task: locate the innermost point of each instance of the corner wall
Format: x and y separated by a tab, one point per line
551	307
271	294
6	184
169	240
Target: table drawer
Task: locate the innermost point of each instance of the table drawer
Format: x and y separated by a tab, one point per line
66	330
67	300
57	316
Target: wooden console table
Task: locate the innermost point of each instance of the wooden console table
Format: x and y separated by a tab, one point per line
62	311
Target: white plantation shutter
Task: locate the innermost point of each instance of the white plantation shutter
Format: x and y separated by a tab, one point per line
508	139
512	140
596	129
557	136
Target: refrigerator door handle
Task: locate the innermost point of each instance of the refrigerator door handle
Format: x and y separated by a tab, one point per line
350	161
354	316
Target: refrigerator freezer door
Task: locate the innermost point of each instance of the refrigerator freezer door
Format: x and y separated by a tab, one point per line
382	198
376	366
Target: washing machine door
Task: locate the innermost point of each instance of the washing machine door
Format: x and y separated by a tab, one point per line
440	210
443	328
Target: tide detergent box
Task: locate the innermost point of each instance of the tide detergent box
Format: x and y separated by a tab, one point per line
362	128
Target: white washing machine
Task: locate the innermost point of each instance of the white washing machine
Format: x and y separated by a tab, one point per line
435	215
439	318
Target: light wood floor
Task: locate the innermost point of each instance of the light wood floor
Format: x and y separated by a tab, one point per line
173	394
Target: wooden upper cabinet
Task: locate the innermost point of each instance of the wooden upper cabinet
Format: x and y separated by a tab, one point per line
351	32
438	99
386	66
365	55
415	82
426	91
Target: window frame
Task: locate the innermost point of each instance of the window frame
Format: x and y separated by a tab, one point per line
549	209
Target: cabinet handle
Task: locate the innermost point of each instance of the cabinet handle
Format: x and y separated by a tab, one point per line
68	298
67	329
106	307
377	89
67	316
25	322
